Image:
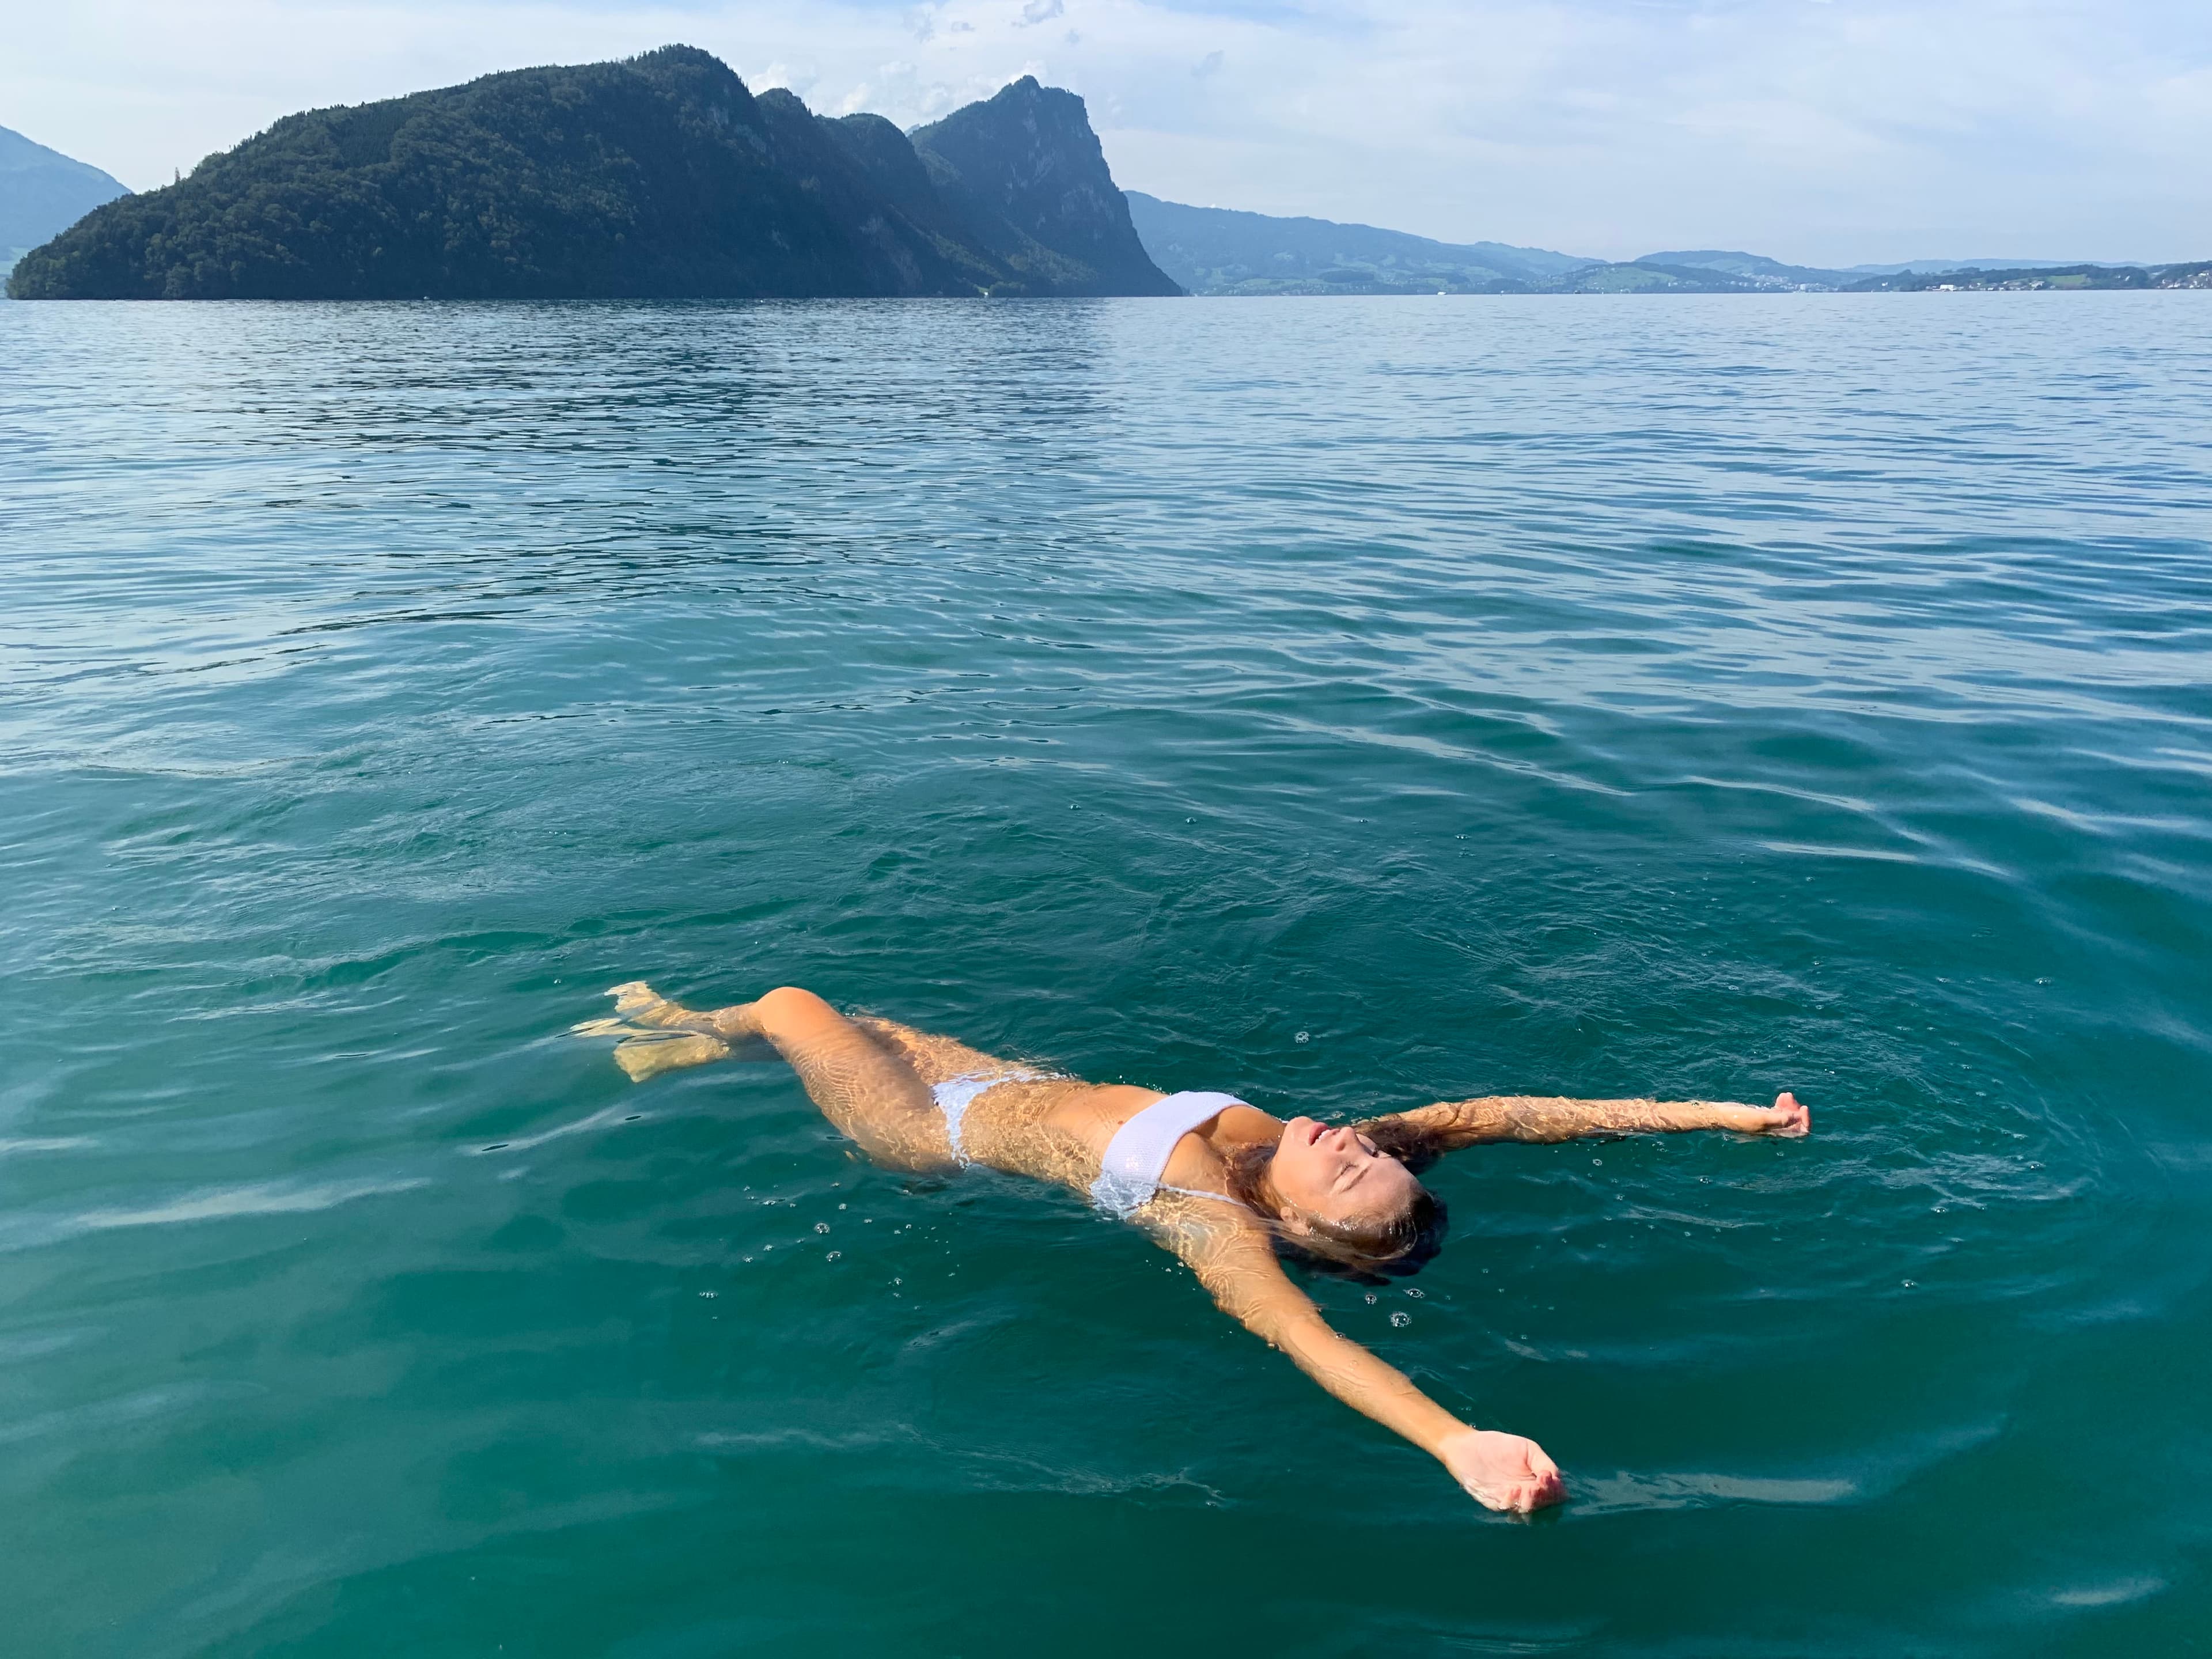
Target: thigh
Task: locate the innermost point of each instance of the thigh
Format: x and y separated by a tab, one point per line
935	1059
865	1088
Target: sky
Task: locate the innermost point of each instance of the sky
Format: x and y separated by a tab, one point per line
1826	133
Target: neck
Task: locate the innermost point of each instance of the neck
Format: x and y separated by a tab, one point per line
1250	1169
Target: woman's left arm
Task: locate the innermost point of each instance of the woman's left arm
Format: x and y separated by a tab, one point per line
1451	1124
1236	1262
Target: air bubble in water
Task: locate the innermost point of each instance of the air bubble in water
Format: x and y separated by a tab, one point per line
821	1226
833	1256
1305	1037
1402	1319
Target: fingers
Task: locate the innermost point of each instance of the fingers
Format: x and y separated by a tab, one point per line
1544	1484
1791	1116
1520	1497
1527	1495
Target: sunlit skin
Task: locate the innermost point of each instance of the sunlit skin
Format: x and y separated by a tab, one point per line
871	1079
1335	1173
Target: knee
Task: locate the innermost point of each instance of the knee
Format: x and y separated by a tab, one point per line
789	1002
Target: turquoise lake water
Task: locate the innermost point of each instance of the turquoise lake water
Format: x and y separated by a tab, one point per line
1345	704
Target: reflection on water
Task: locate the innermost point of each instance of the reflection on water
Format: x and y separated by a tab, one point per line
1345	704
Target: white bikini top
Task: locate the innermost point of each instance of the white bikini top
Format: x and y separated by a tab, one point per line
1129	1173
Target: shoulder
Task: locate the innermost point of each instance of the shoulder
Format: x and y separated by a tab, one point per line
1243	1122
1230	1252
1204	1230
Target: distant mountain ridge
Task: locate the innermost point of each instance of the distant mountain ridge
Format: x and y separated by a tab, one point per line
1753	268
42	193
660	177
1220	250
1227	251
2020	278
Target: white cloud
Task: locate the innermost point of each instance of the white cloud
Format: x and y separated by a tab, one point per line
1825	132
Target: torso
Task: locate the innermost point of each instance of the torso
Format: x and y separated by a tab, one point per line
1057	1129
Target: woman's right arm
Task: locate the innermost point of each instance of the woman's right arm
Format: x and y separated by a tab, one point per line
1236	1263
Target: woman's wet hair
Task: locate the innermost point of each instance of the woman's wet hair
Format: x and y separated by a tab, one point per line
1396	1248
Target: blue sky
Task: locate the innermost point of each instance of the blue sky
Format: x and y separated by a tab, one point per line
1825	131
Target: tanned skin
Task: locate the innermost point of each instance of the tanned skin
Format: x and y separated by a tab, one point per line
872	1077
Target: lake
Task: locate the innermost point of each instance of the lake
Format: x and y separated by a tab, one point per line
1346	703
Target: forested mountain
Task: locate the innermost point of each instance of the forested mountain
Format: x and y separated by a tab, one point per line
42	193
662	176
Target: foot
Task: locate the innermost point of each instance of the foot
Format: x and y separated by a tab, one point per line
649	1056
642	1005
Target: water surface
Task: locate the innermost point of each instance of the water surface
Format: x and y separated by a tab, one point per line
1346	703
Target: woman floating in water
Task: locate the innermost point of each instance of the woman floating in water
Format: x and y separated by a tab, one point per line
1221	1183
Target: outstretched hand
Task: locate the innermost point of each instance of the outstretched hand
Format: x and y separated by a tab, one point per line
1503	1471
1787	1117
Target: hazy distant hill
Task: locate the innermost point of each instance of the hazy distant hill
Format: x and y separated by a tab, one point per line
2021	278
660	177
1216	251
1755	268
1649	276
1220	250
1929	267
44	192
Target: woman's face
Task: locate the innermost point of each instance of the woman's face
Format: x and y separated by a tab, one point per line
1336	1176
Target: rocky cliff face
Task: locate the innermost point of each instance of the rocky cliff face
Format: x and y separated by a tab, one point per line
1026	162
661	177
